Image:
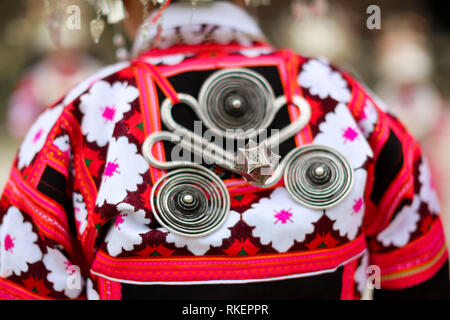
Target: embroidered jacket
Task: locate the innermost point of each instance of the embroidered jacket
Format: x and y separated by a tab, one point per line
78	198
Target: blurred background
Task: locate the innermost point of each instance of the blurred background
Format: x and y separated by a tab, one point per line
405	60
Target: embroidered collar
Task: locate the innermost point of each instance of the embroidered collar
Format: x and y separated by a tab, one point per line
218	22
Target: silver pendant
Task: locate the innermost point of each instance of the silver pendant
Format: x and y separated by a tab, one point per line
318	177
236	99
256	162
192	202
97	27
231	99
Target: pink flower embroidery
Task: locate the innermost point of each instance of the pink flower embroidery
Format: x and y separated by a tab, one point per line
9	243
363	115
38	135
284	216
109	114
119	220
357	206
111	169
350	134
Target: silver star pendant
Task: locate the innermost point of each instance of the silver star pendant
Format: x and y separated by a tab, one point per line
256	162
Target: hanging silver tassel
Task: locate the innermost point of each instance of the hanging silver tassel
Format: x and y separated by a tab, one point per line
97	26
114	10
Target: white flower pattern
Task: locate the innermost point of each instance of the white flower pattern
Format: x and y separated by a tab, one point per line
18	247
322	81
84	85
63	144
280	220
368	119
37	135
91	294
348	215
60	270
169	60
428	192
341	132
123	171
103	106
255	52
81	213
201	245
126	231
399	230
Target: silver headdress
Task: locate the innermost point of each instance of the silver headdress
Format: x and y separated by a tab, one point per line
114	11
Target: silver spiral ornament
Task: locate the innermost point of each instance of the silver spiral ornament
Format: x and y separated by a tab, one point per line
191	201
318	177
237	99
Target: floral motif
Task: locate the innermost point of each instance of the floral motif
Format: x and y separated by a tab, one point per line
63	143
255	52
36	285
18	247
242	248
85	84
135	127
103	107
428	192
81	213
348	215
169	60
123	171
399	230
90	291
199	246
60	273
280	220
340	132
37	135
93	161
155	251
368	119
126	231
323	240
322	81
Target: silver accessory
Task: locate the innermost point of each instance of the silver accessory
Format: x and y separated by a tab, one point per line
318	177
192	201
256	96
97	26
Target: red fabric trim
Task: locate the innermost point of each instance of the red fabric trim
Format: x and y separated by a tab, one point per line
414	263
12	291
348	280
225	268
109	290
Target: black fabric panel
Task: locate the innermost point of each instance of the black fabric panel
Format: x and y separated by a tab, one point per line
389	163
190	82
53	184
437	288
320	287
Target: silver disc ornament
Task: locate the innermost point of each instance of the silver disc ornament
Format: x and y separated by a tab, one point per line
191	201
318	177
237	99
